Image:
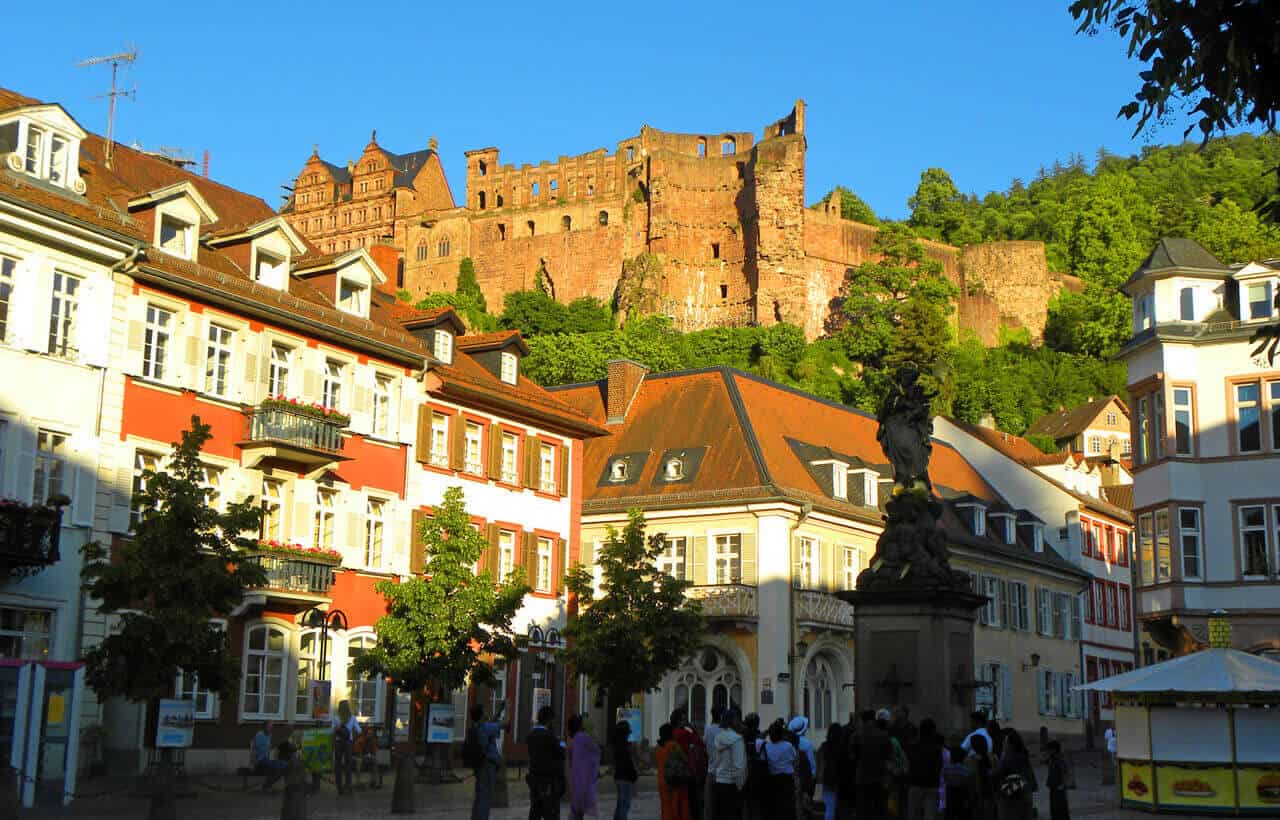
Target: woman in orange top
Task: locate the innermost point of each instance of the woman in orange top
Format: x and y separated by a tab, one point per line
675	796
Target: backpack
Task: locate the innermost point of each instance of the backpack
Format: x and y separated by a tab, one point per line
698	762
472	752
676	771
804	771
757	767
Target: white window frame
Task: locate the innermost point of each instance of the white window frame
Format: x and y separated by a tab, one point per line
183	231
473	456
1019	606
194	693
375	531
542	572
356	689
24	635
331	387
279	370
265	654
383	389
33	150
547	468
8	267
353	297
506	553
64	310
809	549
272	509
52	471
439	452
1194	533
1266	541
325	523
309	665
219	348
156	339
993	615
510	471
676	554
727	556
510	368
444	346
1183	408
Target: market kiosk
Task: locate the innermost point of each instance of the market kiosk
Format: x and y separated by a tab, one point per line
1199	734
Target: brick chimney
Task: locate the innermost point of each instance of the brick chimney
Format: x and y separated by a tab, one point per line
624	379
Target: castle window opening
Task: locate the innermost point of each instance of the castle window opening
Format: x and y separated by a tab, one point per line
728	147
377	184
715	250
502	232
533	189
364	187
482	167
604	217
530	224
421	253
482	200
442	249
566	223
591	187
554	185
499	201
631	153
702	148
724	291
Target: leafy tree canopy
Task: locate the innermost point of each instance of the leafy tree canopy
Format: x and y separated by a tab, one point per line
852	206
184	565
639	625
447	626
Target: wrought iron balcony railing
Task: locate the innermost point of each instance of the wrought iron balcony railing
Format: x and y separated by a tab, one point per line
29	535
296	429
726	600
294	574
823	608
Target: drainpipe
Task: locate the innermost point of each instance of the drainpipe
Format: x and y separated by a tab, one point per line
805	510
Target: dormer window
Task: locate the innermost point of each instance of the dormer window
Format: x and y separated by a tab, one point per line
43	142
353	297
1258	297
974	517
1004	527
839	481
673	470
510	368
270	269
175	236
618	470
444	346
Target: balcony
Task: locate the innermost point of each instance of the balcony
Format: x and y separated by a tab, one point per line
29	536
726	601
294	577
279	433
822	609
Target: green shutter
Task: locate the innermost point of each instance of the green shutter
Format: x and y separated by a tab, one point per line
564	471
749	558
697	563
797	580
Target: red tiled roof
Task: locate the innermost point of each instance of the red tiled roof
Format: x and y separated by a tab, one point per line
1073	420
1120	495
477	341
525	398
405	314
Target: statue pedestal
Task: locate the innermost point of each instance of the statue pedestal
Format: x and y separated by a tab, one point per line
914	648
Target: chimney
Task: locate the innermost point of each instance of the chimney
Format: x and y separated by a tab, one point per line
624	379
988	421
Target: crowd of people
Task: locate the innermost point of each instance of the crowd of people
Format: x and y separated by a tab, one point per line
353	745
879	765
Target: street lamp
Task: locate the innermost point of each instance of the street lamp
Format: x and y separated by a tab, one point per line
316	618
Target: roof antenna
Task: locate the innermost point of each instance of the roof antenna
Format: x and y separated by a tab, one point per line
127	56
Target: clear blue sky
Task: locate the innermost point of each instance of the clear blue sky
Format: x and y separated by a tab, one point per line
987	90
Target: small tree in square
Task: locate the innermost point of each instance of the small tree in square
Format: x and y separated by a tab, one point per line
639	626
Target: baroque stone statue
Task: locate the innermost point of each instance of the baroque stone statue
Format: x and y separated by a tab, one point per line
906	427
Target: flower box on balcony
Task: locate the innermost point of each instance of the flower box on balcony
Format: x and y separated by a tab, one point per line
306	408
29	534
319	554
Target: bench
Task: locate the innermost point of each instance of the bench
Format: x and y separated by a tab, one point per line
246	772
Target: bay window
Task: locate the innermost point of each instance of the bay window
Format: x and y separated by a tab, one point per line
1182	421
1146	549
1164	556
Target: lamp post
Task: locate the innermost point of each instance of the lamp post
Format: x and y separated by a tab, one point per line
316	618
540	641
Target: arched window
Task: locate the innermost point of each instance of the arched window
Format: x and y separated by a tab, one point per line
442	248
262	681
482	167
604	217
673	470
707	679
554	186
482	200
502	232
364	693
566	223
618	470
728	146
421	253
819	692
308	671
702	147
530	226
533	189
499	203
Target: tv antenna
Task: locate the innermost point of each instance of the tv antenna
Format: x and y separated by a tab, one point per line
127	56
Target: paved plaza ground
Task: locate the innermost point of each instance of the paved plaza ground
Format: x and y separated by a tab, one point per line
223	798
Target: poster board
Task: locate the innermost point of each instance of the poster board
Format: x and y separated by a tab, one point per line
175	724
635	719
320	697
317	750
1201	788
440	723
1257	736
1137	786
1132	738
541	697
1259	789
1189	734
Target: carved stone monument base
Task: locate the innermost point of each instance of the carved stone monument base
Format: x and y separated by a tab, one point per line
914	647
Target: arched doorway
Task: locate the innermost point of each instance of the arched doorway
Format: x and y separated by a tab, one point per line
821	688
708	679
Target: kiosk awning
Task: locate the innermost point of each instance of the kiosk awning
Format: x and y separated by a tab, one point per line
1206	671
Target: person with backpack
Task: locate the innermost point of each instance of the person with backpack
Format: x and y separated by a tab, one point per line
806	760
874	753
1057	783
480	754
345	731
696	752
674	777
1015	780
924	772
834	753
546	768
780	754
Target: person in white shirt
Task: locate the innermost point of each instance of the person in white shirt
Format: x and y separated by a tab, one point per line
708	739
977	720
728	753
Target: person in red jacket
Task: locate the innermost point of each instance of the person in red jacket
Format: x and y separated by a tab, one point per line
696	751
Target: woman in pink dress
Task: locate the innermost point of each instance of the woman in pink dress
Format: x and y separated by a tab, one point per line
584	769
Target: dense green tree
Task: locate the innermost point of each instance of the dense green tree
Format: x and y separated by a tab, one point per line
852	206
938	209
536	313
448	625
184	565
638	626
467	284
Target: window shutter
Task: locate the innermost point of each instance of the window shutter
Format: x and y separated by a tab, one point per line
489	558
558	561
26	315
85	449
697	565
311	363
422	449
355	527
262	379
1006	693
495	452
409	404
26	467
417	550
1075	618
39	284
830	570
303	524
532	446
190	334
749	558
457	441
362	403
563	485
1041	706
122	490
93	324
797	579
528	557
